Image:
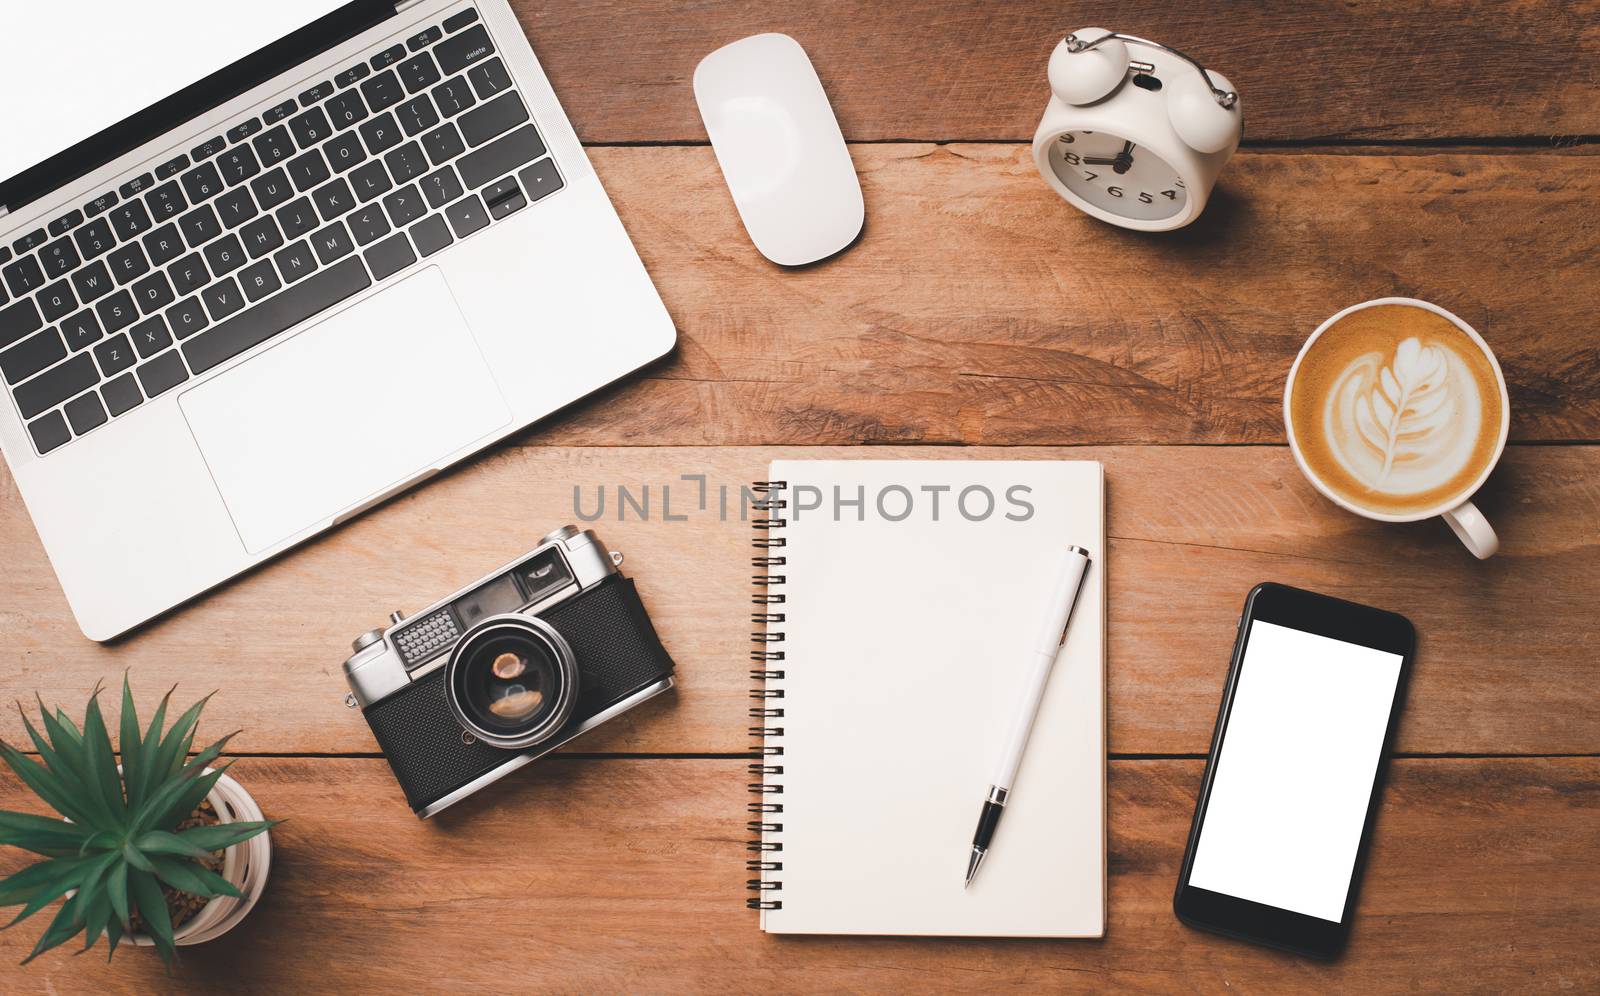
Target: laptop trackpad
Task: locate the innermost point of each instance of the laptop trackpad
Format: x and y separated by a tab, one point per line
345	411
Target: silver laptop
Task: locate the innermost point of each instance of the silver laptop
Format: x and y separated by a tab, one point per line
264	266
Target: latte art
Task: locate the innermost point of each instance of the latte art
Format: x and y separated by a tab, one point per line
1404	423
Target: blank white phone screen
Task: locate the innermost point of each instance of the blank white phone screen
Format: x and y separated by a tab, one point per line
1295	770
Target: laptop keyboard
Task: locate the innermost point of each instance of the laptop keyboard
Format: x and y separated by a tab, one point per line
297	208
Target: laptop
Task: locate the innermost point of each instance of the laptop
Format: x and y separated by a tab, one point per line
264	266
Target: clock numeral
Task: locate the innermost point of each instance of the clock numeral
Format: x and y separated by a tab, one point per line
1170	195
1145	198
1178	184
1071	158
1114	191
1087	175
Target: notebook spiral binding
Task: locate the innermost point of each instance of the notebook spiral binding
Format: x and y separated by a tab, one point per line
767	657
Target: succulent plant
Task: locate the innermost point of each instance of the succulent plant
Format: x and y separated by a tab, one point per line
119	840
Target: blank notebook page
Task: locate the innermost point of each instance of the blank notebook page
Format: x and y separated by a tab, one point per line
905	644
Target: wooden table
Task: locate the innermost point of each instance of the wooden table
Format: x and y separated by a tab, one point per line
1390	149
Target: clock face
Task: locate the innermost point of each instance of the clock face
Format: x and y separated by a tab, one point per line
1117	175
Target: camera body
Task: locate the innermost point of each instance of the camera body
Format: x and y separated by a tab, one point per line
507	669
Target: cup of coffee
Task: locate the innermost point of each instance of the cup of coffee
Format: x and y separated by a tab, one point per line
1397	410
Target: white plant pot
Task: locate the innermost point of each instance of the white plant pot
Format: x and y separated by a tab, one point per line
244	865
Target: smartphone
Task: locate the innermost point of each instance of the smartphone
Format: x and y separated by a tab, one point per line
1291	788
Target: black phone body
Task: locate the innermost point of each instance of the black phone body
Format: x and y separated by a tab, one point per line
1285	813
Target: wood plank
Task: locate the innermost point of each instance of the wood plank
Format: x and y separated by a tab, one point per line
628	876
979	308
965	69
1192	529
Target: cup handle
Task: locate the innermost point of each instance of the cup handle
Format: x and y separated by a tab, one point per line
1473	529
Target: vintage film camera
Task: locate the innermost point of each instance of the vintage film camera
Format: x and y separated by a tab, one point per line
506	670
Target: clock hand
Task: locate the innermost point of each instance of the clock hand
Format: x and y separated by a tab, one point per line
1096	161
1124	160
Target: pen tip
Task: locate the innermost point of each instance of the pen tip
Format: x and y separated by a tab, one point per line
972	866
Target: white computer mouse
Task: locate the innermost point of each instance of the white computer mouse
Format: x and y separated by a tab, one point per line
780	148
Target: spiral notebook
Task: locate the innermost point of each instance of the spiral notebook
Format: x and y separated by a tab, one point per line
896	602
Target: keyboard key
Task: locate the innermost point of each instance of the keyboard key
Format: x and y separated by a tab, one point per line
345	152
296	262
541	179
200	226
18	320
32	355
460	19
238	164
332	243
274	146
164	245
406	162
172	167
150	337
489	78
345	109
66	222
272	189
316	93
261	237
58	258
466	216
188	274
388	57
85	413
129	219
418	72
94	238
56	300
165	201
424	38
441	187
202	183
208	148
461	51
355	73
121	395
296	218
503	197
49	432
153	293
224	255
310	128
381	133
278	113
128	263
431	235
236	207
405	205
494	118
162	374
390	256
259	280
370	181
308	170
453	96
100	204
24	276
244	130
51	388
383	91
222	299
500	156
184	318
417	115
92	282
443	143
334	198
137	185
282	311
117	311
30	242
114	355
368	224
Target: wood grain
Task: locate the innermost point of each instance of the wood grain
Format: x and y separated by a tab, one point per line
1504	665
966	69
627	875
978	308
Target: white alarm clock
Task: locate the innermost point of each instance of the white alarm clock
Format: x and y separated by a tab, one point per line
1132	142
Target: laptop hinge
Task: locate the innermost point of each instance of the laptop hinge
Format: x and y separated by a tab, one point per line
402	6
4	210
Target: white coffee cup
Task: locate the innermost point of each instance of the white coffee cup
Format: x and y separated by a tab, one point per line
1458	511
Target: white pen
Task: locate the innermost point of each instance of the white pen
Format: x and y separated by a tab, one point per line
1043	657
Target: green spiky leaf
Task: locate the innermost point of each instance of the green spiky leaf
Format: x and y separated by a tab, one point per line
152	905
223	835
56	794
52	838
195	879
132	747
117	892
68	921
162	842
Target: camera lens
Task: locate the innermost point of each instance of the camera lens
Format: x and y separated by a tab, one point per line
512	681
